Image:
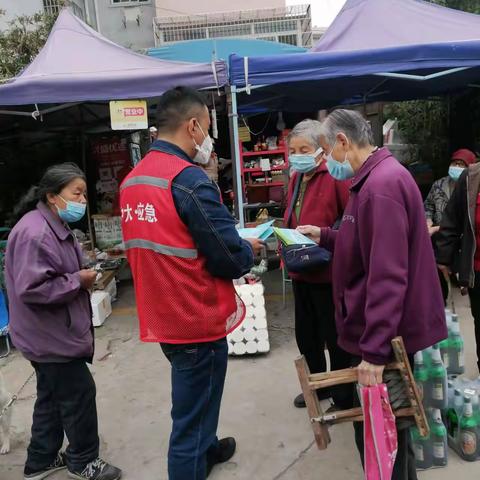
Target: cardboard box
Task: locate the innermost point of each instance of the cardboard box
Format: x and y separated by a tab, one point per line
101	306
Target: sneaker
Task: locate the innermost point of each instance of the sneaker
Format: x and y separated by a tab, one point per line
97	470
224	452
58	464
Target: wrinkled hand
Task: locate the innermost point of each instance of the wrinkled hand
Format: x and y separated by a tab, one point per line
87	278
256	244
370	374
311	232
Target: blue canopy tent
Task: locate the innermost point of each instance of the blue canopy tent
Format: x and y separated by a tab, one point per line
203	51
373	51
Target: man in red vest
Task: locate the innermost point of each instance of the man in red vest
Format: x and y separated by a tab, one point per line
184	251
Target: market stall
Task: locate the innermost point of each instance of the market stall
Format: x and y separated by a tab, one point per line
418	58
58	110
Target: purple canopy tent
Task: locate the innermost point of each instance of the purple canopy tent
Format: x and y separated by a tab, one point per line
77	64
376	24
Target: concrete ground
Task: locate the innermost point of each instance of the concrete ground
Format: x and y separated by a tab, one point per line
274	438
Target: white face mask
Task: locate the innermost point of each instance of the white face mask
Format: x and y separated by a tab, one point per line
204	151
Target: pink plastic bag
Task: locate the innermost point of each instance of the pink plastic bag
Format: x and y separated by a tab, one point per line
379	434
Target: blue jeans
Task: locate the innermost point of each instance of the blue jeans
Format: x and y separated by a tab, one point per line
198	377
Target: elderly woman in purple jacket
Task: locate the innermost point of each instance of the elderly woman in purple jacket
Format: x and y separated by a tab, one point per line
384	274
51	324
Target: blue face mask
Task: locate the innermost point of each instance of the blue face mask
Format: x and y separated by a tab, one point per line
455	172
74	211
304	162
339	171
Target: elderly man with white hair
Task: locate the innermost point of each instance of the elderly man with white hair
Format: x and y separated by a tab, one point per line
384	274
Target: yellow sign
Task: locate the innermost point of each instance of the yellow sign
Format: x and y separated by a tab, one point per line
244	134
129	114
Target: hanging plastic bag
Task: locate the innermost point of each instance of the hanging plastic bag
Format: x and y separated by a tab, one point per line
380	433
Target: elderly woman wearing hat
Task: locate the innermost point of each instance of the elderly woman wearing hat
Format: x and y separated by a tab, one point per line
439	196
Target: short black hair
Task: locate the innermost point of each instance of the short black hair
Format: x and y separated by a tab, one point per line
176	106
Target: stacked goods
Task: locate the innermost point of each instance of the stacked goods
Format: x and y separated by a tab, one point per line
463	418
451	402
251	336
431	378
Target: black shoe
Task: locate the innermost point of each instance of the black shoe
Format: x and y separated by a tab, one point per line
58	464
97	470
224	452
299	401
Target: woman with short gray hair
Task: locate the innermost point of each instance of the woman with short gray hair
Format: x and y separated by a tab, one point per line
385	280
314	197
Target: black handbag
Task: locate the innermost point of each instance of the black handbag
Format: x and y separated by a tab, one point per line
302	258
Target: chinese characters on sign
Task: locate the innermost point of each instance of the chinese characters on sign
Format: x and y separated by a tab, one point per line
112	157
129	114
142	212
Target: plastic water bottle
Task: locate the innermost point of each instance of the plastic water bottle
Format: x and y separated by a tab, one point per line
456	350
448	318
444	347
468	438
450	392
476	414
422	447
439	439
438	377
422	378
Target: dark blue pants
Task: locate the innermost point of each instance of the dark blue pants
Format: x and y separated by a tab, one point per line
198	377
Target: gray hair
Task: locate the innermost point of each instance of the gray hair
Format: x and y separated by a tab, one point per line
309	130
351	124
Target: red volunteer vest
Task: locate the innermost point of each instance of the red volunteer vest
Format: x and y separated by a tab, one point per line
178	301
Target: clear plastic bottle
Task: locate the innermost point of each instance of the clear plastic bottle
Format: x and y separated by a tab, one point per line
468	438
450	392
438	381
422	447
444	347
456	349
421	375
438	434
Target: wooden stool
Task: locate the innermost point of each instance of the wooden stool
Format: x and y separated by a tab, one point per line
411	403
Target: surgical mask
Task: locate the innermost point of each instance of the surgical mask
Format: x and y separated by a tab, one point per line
304	162
204	151
74	211
338	170
455	172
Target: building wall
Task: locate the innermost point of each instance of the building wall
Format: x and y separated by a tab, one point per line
85	9
172	8
129	24
15	8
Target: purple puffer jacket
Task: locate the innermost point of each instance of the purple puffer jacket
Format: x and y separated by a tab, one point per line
50	314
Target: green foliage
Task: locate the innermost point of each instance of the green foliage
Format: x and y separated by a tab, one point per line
22	41
425	123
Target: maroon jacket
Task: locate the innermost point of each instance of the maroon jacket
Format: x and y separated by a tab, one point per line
323	204
385	280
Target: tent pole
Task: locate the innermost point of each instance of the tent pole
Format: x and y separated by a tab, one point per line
235	147
84	166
